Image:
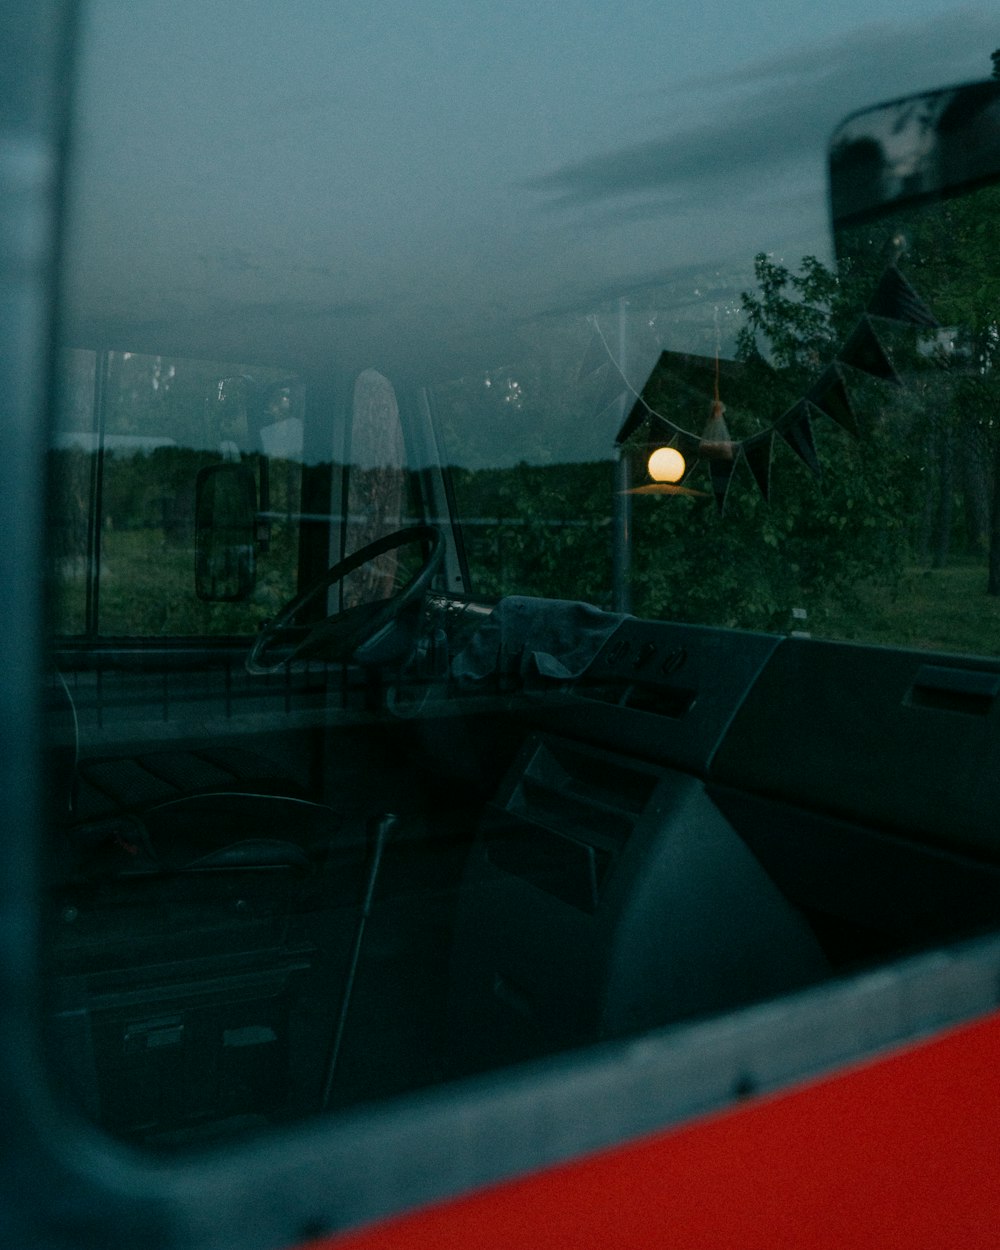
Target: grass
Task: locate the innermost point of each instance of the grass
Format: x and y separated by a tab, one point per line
944	609
148	589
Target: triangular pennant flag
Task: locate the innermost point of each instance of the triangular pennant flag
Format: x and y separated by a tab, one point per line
595	356
757	452
721	472
830	395
895	299
795	428
864	351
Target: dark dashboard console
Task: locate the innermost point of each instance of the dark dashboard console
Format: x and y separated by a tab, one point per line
605	895
663	691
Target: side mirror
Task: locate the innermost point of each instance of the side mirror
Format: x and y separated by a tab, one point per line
225	520
923	148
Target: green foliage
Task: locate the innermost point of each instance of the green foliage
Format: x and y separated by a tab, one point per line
818	539
796	314
546	529
948	252
835	546
147	545
809	548
538	529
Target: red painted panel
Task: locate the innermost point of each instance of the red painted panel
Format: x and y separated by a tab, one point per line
902	1152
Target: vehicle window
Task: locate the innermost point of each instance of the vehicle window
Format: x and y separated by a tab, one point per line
831	494
135	433
446	494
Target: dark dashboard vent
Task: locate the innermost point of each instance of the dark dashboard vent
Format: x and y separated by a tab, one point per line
565	819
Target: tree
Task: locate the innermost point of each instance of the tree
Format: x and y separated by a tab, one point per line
950	257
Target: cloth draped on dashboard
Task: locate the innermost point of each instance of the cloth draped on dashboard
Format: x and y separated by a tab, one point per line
556	639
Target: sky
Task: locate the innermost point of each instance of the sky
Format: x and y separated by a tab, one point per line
402	184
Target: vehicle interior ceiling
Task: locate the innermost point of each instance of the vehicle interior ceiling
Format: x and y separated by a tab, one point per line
330	827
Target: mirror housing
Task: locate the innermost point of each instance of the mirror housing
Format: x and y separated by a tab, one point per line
924	147
225	526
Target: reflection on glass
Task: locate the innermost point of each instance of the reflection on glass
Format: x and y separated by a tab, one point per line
72	467
226	532
931	275
126	467
401	859
376	492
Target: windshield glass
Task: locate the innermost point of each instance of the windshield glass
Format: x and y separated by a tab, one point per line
437	388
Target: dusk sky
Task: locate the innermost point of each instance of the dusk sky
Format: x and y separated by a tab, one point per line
406	181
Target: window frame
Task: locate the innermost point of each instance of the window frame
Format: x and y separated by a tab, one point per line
63	1182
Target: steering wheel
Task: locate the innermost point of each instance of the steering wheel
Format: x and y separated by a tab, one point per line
366	633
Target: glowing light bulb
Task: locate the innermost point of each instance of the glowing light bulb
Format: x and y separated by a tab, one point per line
666	464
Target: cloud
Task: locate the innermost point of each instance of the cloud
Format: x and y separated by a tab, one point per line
924	55
294	309
778	113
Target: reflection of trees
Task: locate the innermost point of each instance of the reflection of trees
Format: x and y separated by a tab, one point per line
69	508
819	537
544	529
538	529
147	565
951	259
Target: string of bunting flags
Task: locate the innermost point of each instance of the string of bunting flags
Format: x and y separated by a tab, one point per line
894	299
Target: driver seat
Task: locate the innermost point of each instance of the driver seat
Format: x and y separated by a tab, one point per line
180	810
205	914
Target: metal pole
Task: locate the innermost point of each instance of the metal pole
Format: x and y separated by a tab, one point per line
379	833
621	589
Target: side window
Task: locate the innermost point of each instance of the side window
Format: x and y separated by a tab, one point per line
136	431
